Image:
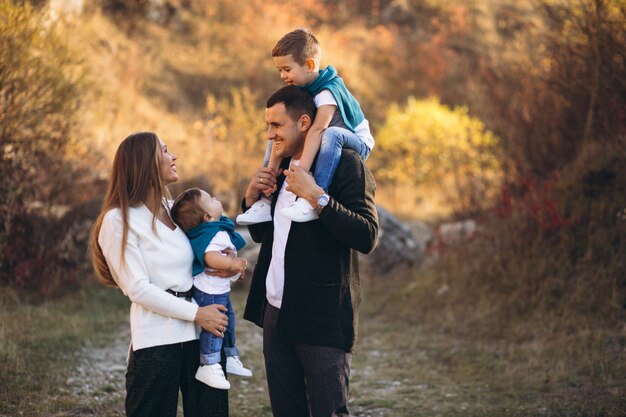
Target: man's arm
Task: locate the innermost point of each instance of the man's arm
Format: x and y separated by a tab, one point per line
351	215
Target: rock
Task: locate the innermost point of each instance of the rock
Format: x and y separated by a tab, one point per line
457	232
397	245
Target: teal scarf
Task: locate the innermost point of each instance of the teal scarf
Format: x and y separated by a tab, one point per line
349	108
201	235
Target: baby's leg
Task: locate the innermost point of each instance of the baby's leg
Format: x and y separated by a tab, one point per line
334	139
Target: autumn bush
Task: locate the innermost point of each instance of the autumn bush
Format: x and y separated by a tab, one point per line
41	174
438	152
554	242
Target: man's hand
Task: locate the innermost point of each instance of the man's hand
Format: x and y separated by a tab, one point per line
263	181
302	184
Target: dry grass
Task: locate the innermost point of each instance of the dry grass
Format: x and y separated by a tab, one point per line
516	322
39	344
417	355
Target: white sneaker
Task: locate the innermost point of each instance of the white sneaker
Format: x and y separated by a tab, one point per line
213	376
259	212
235	367
300	211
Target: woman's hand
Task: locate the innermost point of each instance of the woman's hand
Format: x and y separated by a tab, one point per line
212	319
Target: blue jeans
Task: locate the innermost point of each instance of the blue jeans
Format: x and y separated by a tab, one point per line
334	139
210	345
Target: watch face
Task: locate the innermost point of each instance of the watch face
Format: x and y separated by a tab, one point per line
323	200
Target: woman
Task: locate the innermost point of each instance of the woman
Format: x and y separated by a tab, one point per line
136	246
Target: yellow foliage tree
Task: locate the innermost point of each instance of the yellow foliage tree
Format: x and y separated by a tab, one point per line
432	148
234	140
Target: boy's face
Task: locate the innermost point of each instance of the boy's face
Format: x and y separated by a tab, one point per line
211	205
293	73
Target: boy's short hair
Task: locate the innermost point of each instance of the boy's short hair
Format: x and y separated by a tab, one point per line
186	212
299	43
297	101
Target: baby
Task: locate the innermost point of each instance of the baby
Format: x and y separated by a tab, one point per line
200	216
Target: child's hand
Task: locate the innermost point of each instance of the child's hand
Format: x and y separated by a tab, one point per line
240	264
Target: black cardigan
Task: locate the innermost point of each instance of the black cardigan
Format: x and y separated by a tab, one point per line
322	290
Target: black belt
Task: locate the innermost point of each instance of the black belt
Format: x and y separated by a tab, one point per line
183	294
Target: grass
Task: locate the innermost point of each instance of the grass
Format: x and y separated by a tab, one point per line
38	343
412	368
418	354
500	326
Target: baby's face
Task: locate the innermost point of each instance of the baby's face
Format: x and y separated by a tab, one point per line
291	72
210	204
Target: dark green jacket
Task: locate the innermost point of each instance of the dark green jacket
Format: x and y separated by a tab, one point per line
322	290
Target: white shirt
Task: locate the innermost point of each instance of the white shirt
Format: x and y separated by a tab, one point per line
152	264
325	97
275	281
211	284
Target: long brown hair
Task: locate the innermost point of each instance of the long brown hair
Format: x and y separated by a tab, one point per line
136	171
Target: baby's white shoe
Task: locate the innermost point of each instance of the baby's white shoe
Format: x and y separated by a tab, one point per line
259	212
300	211
235	367
213	376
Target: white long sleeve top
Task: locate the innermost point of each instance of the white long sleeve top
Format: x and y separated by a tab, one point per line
152	264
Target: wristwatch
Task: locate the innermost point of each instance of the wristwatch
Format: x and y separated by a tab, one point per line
322	201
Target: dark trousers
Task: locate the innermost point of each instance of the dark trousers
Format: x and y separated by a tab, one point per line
304	380
155	375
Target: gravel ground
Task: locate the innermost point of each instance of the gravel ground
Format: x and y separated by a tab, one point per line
95	385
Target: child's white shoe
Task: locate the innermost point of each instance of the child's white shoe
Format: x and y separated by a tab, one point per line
300	211
259	212
213	376
235	367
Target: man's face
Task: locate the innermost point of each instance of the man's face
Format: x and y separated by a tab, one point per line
287	134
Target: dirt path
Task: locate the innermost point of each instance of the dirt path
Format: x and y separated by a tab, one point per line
95	385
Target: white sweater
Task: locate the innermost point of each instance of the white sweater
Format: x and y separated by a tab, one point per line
152	264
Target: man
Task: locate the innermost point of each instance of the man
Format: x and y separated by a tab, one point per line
305	291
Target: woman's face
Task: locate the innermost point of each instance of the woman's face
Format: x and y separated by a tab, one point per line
168	165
